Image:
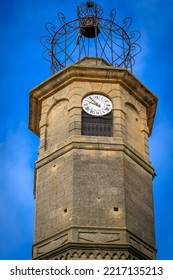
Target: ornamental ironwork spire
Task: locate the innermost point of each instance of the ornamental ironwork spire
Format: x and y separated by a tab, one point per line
90	34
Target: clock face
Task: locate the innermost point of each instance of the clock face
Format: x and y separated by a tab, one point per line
96	105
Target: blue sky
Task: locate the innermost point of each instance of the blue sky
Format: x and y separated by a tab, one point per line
22	67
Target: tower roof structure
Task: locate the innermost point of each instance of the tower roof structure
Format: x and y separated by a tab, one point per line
90	34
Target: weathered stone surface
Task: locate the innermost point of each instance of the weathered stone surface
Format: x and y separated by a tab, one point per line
93	194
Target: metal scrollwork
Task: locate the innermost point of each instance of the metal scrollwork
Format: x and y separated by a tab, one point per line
51	28
127	23
61	18
46	41
91	35
113	14
135	34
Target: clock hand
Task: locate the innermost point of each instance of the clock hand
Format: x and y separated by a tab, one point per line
94	102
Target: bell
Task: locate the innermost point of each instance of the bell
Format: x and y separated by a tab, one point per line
90	28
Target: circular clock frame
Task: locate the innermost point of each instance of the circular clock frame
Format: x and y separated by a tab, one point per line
96	104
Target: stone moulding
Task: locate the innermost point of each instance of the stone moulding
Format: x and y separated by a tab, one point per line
102	241
77	143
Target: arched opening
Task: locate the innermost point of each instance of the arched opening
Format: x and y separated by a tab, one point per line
57	123
133	127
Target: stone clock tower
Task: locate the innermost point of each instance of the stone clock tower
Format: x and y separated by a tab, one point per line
93	176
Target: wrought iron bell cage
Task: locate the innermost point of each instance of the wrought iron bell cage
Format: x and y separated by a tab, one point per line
91	35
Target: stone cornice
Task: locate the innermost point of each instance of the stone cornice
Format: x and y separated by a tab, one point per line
94	143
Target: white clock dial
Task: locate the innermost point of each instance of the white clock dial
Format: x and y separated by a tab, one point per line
97	105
